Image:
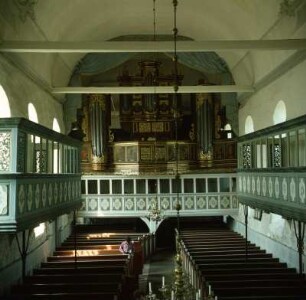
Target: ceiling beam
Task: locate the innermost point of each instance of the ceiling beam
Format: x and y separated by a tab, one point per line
148	46
153	90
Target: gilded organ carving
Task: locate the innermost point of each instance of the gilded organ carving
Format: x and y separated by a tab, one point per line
154	130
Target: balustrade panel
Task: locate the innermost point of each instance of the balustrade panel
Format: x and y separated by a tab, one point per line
29	149
189	190
274	179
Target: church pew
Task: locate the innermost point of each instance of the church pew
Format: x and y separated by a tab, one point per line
212	237
285	290
68	287
230	255
234	282
75	278
73	296
285	274
53	288
107	269
84	263
264	297
100	271
113	249
217	243
267	270
69	247
233	261
241	265
217	253
220	246
87	258
99	237
201	251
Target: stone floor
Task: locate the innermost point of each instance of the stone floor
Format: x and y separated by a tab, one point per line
161	264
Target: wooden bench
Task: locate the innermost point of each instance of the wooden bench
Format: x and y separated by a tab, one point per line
234	272
103	250
284	274
84	263
82	270
75	278
68	287
98	270
285	290
71	296
102	257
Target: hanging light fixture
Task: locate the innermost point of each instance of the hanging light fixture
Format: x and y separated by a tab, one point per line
155	213
180	288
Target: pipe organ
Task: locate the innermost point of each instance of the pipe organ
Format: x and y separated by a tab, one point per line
152	127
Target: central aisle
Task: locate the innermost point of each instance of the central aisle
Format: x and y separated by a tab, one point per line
161	264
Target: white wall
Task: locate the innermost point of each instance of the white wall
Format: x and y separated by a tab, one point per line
290	88
273	233
21	90
39	249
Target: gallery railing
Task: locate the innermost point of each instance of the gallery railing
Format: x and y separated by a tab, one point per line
272	165
39	174
134	195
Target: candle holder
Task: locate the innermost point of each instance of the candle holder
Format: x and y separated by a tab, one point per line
151	296
164	291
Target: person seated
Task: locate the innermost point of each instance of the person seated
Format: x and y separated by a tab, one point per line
126	247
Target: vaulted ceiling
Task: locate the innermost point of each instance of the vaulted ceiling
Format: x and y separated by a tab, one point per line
68	30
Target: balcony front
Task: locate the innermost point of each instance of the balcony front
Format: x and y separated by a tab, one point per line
39	174
272	165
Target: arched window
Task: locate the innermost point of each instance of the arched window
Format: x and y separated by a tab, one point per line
39	230
5	111
248	125
56	126
280	114
56	153
32	113
228	127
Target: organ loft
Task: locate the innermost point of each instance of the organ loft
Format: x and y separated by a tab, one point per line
150	126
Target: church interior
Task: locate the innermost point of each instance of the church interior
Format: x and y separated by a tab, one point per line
178	124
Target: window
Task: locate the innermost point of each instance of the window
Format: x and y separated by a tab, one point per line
164	186
152	186
200	185
140	186
56	126
279	114
224	185
92	187
249	125
176	185
32	113
83	187
212	185
104	186
39	230
128	186
188	185
5	111
116	186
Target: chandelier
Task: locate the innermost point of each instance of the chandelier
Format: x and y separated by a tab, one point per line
155	213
